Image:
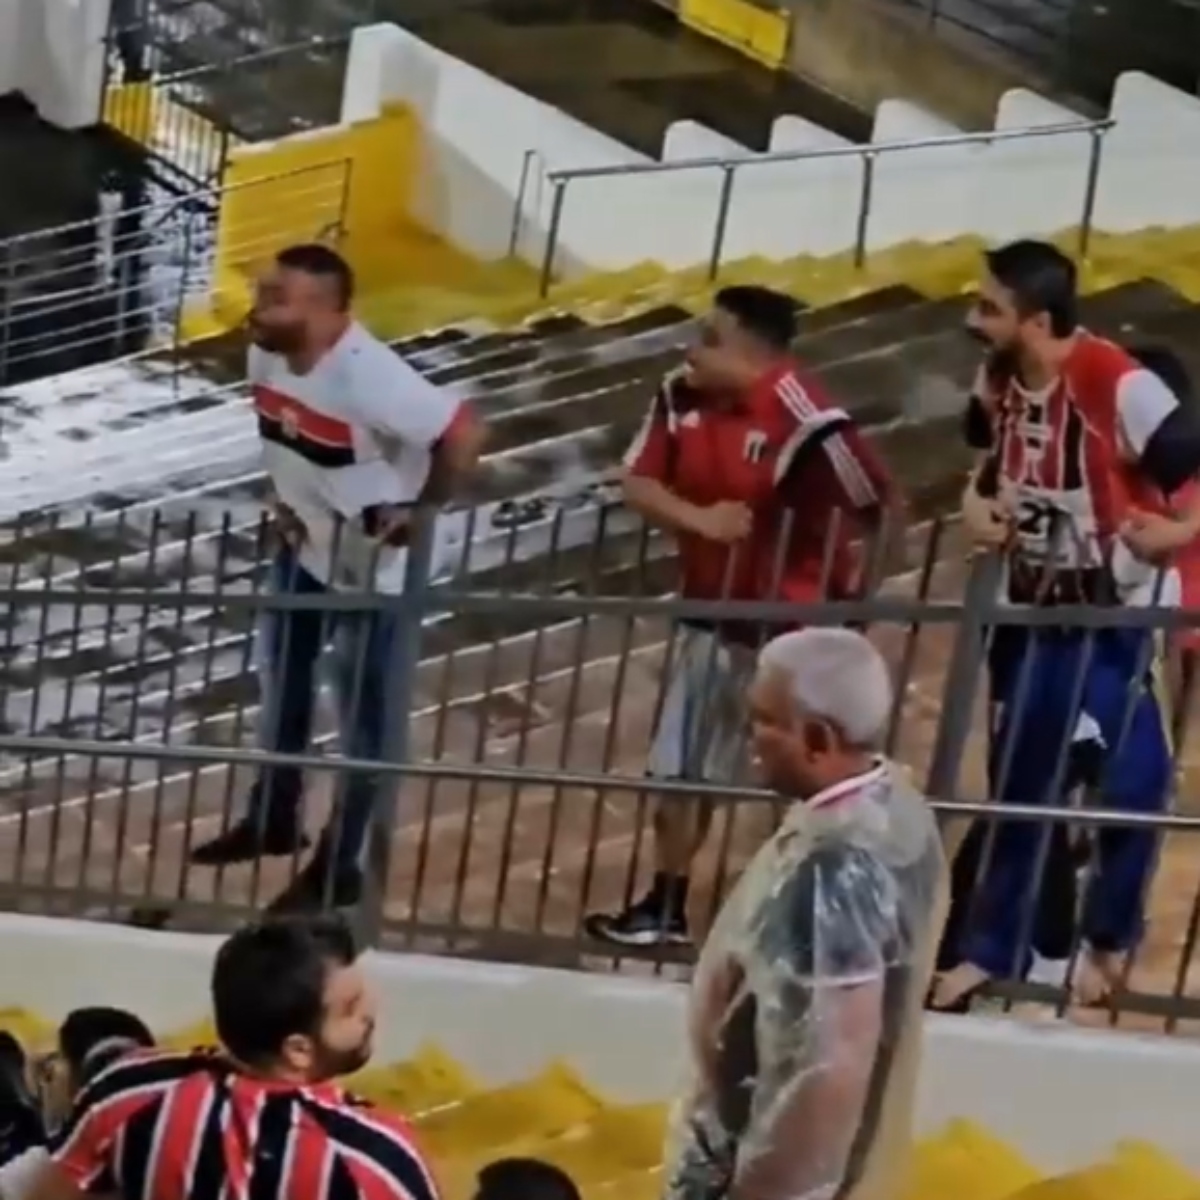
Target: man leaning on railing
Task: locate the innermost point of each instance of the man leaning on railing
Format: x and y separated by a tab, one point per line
353	440
1082	446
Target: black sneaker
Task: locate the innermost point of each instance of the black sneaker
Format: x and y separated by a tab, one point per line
642	924
247	840
313	890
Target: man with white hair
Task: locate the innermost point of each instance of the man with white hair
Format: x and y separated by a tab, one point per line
807	1001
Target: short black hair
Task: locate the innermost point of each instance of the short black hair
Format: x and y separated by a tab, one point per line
524	1179
322	262
1041	278
1169	367
769	315
83	1029
268	982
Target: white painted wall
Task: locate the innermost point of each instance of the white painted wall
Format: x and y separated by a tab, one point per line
479	130
1065	1096
53	51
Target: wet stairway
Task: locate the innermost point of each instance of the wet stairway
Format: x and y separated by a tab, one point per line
140	506
614	1151
625	67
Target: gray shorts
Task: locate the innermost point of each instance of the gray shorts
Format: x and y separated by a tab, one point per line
701	731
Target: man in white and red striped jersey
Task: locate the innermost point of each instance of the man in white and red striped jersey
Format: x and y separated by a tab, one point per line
263	1119
353	438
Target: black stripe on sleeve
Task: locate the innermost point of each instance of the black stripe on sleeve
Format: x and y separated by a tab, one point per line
1171	456
977	425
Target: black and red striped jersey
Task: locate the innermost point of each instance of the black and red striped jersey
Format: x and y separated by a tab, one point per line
194	1127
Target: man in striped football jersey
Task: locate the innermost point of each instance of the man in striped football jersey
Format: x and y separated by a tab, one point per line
264	1120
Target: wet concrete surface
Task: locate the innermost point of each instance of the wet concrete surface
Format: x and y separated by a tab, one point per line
624	66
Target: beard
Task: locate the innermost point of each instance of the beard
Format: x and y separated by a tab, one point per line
276	339
336	1061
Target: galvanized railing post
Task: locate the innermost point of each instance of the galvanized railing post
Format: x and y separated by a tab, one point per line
723	203
556	210
963	675
398	705
518	216
864	209
1088	215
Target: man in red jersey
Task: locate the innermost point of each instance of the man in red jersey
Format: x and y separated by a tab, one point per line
1082	445
264	1120
765	485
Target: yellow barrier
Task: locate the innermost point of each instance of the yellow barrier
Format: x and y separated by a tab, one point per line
150	116
348	185
757	32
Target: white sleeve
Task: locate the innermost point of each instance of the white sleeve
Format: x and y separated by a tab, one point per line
396	401
19	1175
1144	402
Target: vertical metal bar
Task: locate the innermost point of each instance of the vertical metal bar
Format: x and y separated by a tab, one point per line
722	225
1089	192
411	608
556	211
962	678
518	216
864	209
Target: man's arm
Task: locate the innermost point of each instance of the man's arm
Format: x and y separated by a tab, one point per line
80	1158
645	482
825	941
1163	438
851	467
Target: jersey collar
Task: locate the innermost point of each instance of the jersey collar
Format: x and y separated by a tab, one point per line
847	789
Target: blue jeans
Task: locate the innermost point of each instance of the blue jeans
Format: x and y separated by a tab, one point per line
289	647
1136	776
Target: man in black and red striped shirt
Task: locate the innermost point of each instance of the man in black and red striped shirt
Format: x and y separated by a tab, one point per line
264	1121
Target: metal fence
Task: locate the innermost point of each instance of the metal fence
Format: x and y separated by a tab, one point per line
522	684
1080	47
122	283
727	170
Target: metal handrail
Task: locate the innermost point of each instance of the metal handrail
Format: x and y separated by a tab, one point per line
560	179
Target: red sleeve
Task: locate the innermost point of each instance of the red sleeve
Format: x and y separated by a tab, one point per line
648	453
860	481
83	1148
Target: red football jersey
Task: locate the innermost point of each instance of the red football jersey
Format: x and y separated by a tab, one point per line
797	461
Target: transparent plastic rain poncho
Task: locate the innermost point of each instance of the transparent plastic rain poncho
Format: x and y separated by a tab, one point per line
806	1005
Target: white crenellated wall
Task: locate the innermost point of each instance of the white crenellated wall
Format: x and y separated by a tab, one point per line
53	51
478	130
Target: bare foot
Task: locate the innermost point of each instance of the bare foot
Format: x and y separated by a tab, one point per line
1098	974
956	986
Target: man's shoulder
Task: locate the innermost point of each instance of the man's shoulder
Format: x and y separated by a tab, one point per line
151	1068
371	362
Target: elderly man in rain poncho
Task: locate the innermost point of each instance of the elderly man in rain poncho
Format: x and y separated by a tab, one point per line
805	1017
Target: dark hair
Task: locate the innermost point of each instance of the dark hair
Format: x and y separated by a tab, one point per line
268	982
1169	367
1041	278
769	315
85	1028
322	262
524	1179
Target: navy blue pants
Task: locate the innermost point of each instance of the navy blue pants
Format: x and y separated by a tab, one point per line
1038	709
289	648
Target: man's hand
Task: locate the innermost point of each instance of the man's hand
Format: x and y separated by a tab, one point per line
725	522
988	520
1154	537
391	524
287	525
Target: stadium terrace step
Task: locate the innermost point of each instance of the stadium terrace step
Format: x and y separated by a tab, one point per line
562	398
